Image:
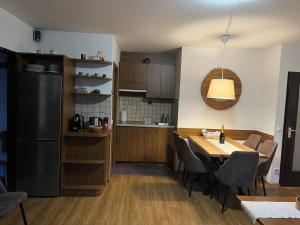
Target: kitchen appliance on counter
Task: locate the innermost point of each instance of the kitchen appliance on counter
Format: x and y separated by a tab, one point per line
76	123
38	133
96	121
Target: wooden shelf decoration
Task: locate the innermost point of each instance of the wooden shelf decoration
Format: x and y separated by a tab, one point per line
83	161
92	94
221	104
89	62
106	79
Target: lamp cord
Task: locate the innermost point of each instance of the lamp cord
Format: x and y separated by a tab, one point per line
227	33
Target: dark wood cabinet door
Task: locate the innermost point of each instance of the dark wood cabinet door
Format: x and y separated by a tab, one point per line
163	147
126	76
150	144
122	139
167	81
153	80
136	144
139	76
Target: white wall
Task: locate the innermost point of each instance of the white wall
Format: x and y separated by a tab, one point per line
249	65
72	44
116	51
260	71
267	86
290	55
15	34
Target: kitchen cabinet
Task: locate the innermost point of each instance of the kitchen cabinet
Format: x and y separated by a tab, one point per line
133	76
167	81
143	144
153	80
126	75
139	76
161	81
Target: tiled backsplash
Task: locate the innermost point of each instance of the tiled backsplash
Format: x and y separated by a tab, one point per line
88	107
138	109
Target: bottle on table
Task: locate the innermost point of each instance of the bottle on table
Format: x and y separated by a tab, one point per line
222	136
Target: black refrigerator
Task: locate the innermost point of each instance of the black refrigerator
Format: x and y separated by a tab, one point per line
38	133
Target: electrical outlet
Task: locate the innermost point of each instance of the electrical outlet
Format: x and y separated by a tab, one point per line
276	171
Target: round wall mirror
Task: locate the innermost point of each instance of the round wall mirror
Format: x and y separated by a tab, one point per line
220	104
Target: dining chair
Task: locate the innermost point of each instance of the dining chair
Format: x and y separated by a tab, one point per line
238	171
11	200
267	148
192	164
179	151
253	141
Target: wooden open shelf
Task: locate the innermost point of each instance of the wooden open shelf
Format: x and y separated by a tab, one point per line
84	161
95	62
82	187
91	94
106	79
87	134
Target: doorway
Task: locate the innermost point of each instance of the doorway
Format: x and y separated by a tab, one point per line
290	158
3	116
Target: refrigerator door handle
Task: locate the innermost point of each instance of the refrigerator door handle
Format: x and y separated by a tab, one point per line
26	140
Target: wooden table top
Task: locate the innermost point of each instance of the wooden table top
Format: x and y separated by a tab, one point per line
214	151
273	221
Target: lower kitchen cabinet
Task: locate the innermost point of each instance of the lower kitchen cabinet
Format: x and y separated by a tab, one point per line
140	144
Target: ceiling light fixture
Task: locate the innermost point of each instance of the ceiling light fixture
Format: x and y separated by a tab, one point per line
222	88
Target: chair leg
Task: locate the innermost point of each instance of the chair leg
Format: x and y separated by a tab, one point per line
263	183
23	214
225	199
248	190
214	186
255	183
186	178
178	168
191	187
183	175
192	182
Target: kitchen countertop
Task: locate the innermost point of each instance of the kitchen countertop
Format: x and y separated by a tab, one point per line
86	133
142	124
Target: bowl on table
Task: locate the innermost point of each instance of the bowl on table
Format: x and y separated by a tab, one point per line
95	129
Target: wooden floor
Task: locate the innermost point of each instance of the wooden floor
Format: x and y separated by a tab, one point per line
135	200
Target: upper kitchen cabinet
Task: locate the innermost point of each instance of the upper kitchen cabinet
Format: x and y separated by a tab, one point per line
161	81
153	80
139	76
126	76
167	81
133	76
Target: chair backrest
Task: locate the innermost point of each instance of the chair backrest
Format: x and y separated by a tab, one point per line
267	148
239	170
2	188
253	141
191	162
178	149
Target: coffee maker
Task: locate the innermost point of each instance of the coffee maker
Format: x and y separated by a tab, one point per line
76	123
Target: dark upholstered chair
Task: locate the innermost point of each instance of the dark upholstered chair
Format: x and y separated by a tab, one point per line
192	163
268	148
179	151
11	200
253	141
238	171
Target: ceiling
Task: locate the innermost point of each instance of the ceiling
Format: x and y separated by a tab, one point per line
161	25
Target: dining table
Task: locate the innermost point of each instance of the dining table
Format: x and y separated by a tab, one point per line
270	199
210	147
